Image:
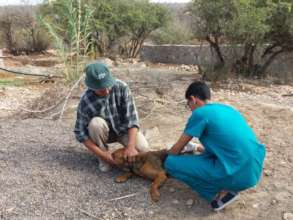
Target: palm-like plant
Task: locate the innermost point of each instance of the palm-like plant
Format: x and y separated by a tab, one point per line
69	23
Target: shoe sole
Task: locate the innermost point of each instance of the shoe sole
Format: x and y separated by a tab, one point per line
227	203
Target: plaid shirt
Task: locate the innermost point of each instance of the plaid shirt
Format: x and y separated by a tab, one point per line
117	108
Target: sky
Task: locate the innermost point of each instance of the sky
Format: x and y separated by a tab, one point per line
13	2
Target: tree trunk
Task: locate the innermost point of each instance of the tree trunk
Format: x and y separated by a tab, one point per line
268	50
246	52
133	49
251	57
33	35
9	36
139	48
216	47
140	43
263	70
246	64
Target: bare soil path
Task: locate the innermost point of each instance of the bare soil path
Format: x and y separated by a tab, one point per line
46	174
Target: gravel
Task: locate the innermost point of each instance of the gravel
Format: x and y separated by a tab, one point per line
46	174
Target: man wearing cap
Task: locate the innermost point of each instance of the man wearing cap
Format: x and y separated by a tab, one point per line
106	114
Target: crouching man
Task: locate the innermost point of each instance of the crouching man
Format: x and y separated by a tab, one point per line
106	114
232	160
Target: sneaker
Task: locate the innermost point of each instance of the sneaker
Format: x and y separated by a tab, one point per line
104	166
219	204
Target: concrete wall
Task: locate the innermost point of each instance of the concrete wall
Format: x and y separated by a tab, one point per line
192	54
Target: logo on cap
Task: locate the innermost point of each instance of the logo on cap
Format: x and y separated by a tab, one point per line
101	76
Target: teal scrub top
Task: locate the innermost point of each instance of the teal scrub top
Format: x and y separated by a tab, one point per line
235	154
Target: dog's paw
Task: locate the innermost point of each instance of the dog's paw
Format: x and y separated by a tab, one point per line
121	179
155	195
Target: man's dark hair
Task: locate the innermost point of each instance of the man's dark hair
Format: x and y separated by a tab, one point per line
198	89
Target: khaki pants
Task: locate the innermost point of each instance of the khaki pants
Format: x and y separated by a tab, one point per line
100	134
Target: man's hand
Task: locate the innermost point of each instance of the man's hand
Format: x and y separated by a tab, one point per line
104	155
180	144
130	153
107	157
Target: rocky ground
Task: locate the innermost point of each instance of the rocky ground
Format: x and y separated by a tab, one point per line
46	174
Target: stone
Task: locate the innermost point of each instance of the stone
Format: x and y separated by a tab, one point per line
106	61
283	162
282	196
189	202
175	202
185	67
9	210
139	65
160	91
132	60
255	205
274	202
172	190
195	68
268	173
151	212
288	216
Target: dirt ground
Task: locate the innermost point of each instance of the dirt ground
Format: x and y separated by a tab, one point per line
46	174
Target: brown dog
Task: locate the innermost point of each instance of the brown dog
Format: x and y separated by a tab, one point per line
148	165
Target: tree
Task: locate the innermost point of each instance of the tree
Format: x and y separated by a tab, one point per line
9	22
110	26
143	18
174	33
211	20
70	24
21	31
280	36
248	28
127	23
256	25
105	23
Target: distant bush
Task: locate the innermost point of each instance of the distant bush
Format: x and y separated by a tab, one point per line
20	32
174	33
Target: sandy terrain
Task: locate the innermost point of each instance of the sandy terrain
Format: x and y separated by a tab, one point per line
46	174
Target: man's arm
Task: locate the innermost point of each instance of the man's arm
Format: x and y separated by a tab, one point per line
130	150
104	155
180	144
81	123
131	117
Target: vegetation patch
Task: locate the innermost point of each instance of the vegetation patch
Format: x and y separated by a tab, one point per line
11	82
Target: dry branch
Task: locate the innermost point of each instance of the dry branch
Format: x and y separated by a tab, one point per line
123	197
89	214
30	74
44	110
68	96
